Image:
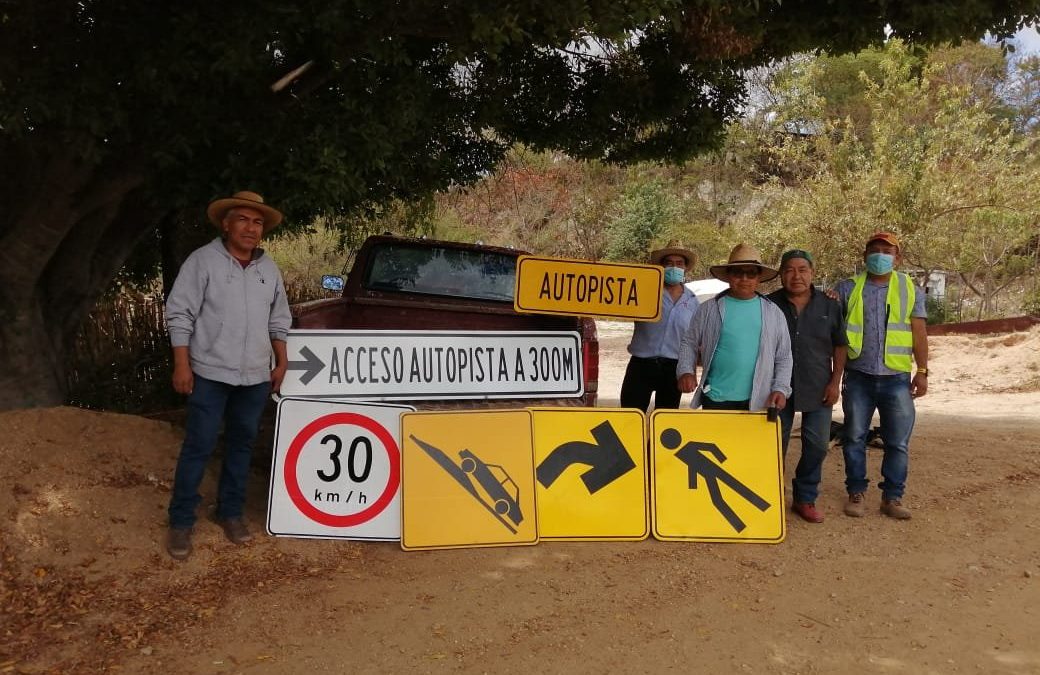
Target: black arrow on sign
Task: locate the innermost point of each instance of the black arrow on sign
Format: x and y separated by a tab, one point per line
607	457
695	456
312	365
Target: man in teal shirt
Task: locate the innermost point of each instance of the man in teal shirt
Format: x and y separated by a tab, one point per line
740	340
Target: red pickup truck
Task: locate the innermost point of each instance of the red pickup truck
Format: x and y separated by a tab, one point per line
400	283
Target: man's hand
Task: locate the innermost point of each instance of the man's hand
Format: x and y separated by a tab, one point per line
830	394
281	364
776	400
687	382
183	379
919	385
277	375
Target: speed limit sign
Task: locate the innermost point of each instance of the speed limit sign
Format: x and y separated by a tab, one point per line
336	471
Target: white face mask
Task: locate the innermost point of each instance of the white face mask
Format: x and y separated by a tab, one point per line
674	276
880	263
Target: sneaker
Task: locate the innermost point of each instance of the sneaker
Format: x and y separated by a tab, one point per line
235	530
808	512
178	542
855	507
893	508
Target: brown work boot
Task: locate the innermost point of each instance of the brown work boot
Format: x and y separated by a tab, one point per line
178	542
893	508
855	507
235	530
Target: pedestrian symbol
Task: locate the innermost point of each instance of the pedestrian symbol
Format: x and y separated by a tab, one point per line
717	477
467	479
695	455
592	477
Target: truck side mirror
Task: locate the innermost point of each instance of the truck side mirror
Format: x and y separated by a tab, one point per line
332	282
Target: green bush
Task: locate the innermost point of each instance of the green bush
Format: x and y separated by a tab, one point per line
939	311
1031	302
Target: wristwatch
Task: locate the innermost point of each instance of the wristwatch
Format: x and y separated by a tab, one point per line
922	371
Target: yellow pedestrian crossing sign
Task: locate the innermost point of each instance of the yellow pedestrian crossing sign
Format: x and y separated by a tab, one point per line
592	474
467	479
717	476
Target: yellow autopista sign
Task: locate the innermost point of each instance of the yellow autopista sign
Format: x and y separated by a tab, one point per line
585	288
590	465
467	480
717	476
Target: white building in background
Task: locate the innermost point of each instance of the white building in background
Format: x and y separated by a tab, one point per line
706	289
935	286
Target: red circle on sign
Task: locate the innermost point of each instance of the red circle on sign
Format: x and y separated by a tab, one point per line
308	432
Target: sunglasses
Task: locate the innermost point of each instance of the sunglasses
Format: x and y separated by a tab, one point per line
746	272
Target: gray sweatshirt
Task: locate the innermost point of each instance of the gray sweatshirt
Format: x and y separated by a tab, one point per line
226	315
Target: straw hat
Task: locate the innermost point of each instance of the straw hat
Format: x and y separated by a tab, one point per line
674	247
219	208
743	256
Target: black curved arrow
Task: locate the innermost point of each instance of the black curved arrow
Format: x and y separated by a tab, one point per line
312	365
607	457
695	455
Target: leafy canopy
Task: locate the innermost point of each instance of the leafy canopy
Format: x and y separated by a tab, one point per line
396	99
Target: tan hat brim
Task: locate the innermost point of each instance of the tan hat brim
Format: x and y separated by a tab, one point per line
656	256
764	273
218	209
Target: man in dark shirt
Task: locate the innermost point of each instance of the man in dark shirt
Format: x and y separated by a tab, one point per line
818	342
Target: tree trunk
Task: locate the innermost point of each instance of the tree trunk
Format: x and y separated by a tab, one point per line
61	244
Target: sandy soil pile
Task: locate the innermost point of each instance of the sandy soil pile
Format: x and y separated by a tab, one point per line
85	585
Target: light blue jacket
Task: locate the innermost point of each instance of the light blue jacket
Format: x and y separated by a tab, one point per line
772	368
227	316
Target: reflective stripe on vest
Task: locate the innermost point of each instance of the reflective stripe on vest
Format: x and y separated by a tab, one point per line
899	339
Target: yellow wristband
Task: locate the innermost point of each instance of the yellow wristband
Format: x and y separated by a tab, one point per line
922	371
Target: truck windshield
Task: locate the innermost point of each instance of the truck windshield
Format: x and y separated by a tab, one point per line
441	271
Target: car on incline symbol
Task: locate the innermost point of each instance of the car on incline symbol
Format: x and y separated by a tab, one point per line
499	487
498	492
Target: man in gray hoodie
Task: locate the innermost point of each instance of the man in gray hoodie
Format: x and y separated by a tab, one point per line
227	315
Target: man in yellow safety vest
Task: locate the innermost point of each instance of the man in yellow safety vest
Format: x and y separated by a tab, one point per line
885	323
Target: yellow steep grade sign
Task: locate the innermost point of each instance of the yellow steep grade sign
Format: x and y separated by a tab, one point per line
467	480
585	288
716	476
591	469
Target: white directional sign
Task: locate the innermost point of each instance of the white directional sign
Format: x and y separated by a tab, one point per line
410	365
337	470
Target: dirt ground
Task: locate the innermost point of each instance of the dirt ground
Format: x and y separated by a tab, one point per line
85	585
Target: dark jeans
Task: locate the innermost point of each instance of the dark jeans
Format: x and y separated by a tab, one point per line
708	404
209	404
862	394
816	431
647	376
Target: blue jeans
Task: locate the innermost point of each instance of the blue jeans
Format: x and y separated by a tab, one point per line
209	404
862	394
816	433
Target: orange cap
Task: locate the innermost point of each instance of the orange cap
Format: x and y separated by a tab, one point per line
886	237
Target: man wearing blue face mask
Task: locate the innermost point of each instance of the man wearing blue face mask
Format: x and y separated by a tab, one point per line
655	345
885	324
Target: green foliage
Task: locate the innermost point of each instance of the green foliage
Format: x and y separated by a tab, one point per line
304	256
401	99
1031	302
938	310
645	211
939	166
